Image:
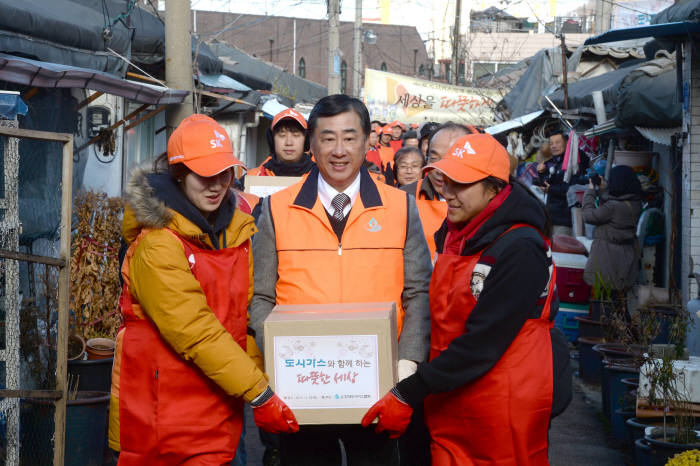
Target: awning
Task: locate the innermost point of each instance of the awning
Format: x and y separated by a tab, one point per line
514	123
661	136
678	29
43	74
221	81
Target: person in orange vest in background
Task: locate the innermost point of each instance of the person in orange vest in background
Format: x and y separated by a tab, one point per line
397	131
493	381
289	146
186	359
428	190
341	237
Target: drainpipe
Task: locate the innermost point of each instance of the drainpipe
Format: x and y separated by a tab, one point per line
242	138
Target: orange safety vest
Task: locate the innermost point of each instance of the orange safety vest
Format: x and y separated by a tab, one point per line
503	417
169	412
366	266
246	202
261	170
386	154
433	213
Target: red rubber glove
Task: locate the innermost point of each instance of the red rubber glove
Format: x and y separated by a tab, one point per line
275	417
394	416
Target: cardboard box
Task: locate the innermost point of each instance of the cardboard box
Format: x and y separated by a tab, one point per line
263	186
331	362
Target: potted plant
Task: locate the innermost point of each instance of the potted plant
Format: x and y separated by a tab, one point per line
95	285
601	297
663	393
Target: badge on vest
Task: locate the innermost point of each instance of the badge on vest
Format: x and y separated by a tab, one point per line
479	274
373	226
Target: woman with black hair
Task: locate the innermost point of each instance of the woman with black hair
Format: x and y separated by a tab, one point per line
186	360
614	257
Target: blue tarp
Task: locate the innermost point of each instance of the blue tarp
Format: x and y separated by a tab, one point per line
11	105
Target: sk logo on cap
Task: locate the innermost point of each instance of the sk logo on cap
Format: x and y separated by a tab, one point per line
373	226
459	151
216	142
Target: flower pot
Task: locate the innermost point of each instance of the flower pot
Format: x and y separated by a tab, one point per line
659	451
589	360
86	420
589	328
76	347
613	391
100	348
618	425
93	374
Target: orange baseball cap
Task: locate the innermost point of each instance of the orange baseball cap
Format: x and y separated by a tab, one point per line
202	145
378	130
386	129
472	158
397	123
289	114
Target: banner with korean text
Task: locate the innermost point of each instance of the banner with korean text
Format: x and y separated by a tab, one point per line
327	371
390	97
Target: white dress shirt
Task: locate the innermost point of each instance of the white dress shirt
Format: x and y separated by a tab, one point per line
326	193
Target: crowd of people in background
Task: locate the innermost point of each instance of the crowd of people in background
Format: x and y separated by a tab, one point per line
480	370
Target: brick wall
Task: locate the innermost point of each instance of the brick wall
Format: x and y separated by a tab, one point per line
252	33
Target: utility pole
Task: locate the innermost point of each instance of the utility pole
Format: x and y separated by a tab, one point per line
455	45
178	57
357	62
606	15
333	44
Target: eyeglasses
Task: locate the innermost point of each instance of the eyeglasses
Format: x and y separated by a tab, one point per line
414	167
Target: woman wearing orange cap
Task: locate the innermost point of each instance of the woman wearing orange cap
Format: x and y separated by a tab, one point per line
185	359
498	370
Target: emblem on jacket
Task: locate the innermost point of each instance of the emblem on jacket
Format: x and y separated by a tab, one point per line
479	274
373	226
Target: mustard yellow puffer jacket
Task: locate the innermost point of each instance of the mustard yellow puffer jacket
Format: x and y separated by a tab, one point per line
169	295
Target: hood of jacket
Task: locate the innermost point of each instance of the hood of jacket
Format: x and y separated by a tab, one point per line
154	200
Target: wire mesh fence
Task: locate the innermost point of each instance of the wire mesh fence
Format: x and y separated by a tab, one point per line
30	278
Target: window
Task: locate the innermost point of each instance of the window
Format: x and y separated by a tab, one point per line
482	69
344	77
302	67
421	70
383	66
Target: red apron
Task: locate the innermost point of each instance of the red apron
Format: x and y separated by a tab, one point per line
503	417
169	411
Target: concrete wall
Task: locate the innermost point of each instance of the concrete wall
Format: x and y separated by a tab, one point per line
690	210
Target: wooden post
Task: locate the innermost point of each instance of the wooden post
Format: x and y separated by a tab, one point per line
63	303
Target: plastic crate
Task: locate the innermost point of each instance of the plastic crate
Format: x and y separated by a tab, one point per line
565	320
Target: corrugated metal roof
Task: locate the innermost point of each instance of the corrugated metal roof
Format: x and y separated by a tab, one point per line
43	74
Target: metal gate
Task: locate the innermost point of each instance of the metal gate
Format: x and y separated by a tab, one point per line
10	259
